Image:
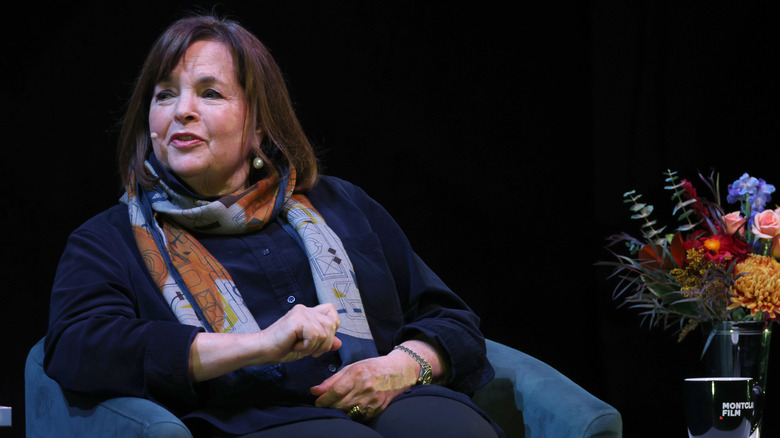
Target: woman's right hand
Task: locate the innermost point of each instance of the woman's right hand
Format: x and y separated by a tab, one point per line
303	331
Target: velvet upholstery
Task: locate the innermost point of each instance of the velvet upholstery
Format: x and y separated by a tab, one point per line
528	398
52	412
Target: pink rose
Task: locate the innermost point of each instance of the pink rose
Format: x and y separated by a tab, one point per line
734	222
766	224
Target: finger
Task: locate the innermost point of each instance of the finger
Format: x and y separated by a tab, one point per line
311	339
330	312
369	412
330	321
319	389
318	335
301	332
326	384
361	413
335	392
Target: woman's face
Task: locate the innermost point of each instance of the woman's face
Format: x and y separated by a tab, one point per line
197	114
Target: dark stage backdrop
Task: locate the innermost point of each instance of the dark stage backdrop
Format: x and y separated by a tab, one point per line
500	137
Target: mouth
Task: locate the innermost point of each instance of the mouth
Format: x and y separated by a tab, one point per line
184	140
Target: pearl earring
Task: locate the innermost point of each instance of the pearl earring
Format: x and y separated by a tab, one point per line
258	163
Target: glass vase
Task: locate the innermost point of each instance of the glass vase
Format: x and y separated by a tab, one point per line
740	349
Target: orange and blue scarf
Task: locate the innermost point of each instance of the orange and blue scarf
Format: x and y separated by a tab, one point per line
198	289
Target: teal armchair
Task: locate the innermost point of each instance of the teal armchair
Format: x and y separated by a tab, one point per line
528	398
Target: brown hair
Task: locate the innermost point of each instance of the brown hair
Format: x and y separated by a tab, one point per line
269	107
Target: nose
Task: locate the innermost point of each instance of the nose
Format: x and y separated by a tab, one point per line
186	109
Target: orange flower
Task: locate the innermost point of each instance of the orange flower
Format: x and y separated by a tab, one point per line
759	288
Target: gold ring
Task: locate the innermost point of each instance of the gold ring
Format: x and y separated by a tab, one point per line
355	412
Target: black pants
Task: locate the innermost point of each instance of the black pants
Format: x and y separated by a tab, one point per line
423	417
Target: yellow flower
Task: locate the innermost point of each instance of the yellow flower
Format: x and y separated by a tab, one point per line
759	288
692	279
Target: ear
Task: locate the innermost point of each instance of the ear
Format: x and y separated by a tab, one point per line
256	140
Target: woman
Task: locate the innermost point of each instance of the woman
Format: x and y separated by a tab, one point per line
240	289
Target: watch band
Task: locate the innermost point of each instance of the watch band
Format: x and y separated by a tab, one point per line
426	373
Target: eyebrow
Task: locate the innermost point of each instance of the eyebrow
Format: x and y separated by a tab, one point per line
208	80
203	80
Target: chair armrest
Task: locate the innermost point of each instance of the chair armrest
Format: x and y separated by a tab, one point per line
52	412
530	398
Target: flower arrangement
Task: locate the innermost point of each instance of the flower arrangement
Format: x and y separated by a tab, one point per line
714	266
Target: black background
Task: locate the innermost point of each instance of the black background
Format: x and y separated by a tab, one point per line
501	137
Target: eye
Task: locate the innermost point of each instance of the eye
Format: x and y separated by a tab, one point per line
163	95
211	94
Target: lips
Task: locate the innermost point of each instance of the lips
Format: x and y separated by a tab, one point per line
184	139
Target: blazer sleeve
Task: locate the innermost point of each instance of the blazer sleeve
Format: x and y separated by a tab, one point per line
110	334
429	306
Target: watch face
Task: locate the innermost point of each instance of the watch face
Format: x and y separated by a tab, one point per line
425	375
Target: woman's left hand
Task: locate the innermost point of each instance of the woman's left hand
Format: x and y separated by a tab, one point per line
370	384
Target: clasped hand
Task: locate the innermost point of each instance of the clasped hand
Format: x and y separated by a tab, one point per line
304	331
370	384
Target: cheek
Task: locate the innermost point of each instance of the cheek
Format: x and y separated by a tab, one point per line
158	123
160	153
229	128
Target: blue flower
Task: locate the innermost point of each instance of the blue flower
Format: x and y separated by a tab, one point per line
755	191
745	185
762	195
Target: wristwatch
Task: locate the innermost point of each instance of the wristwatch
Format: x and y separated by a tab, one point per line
426	372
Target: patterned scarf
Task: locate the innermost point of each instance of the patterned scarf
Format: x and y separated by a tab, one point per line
199	290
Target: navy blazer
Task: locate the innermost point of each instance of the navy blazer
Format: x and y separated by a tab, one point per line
112	334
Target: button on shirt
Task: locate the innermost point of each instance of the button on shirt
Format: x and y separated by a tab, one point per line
284	281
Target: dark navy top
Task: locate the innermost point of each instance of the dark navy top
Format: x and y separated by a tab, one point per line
112	334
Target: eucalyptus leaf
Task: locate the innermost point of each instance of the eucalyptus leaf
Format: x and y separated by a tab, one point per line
685	215
649	224
682	205
687	227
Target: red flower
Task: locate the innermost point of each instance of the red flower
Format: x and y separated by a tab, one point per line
690	193
719	248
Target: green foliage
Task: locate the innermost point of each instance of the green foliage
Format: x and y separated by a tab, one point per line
650	279
682	205
643	212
